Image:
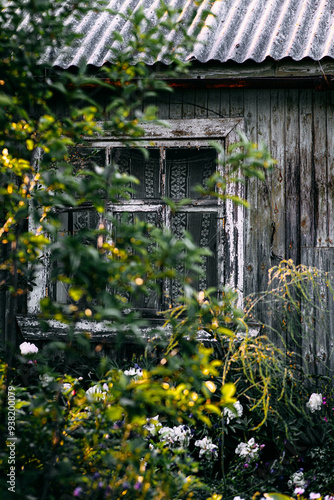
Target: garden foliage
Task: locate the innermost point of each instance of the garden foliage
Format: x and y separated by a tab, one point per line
186	420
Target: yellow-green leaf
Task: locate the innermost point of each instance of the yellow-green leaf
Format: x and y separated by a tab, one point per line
30	144
75	293
228	391
213	409
225	331
277	496
114	412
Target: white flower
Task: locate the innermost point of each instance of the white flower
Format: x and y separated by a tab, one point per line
329	497
153	425
298	491
240	336
66	387
95	393
313	496
134	372
238	498
207	447
297	480
178	434
28	348
46	379
315	402
249	450
230	415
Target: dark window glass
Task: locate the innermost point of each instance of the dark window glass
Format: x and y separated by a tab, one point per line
187	168
133	162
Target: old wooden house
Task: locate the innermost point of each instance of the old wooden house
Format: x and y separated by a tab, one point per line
265	67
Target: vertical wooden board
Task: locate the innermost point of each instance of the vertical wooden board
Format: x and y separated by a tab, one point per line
264	219
224	103
330	337
201	108
214	103
308	317
292	188
277	112
292	177
320	167
188	104
236	102
317	315
264	216
330	166
175	104
163	102
328	331
276	181
251	262
322	315
250	114
307	233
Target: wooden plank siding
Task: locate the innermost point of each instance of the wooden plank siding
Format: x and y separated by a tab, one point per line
292	214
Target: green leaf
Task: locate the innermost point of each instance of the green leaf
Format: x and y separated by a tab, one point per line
225	331
75	293
277	496
228	391
213	409
114	412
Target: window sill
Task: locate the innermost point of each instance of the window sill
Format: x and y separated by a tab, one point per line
100	331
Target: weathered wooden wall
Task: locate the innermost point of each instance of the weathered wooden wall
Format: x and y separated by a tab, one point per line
292	213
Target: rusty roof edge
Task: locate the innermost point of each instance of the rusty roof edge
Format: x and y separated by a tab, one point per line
319	83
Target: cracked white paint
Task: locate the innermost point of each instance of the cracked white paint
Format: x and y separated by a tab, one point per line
194	133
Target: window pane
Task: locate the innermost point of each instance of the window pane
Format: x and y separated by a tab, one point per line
187	168
150	302
132	162
73	223
203	228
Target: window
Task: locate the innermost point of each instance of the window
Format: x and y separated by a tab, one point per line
180	157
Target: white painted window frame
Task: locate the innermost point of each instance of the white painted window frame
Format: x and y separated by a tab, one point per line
178	133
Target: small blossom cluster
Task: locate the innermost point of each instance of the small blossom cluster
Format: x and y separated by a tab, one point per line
177	435
28	348
153	425
315	402
249	451
297	480
95	393
207	448
46	379
230	415
134	372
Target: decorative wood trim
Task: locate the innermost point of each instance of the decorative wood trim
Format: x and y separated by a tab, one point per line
202	130
193	132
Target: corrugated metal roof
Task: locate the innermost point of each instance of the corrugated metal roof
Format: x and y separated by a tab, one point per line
239	30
